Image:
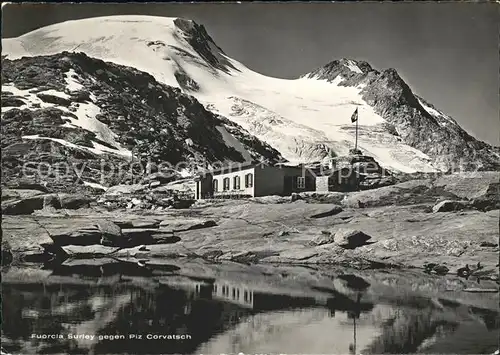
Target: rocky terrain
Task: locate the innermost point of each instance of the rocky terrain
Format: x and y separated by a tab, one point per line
99	150
439	226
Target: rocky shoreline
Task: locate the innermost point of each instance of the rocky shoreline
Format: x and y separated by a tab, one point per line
414	224
427	249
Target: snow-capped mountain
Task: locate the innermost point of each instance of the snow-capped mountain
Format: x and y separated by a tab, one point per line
79	111
306	119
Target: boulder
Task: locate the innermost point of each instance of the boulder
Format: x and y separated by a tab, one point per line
165	202
271	199
160	177
111	234
136	201
74	201
183	204
7	256
52	99
323	197
449	206
350	238
489	200
124	189
51	201
294	197
486	204
325	237
23	206
437	269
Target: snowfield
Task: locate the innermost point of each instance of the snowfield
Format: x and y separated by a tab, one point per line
441	118
303	118
85	118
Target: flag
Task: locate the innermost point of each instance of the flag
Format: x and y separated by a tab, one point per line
354	116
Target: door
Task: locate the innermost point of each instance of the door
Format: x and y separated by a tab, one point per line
288	185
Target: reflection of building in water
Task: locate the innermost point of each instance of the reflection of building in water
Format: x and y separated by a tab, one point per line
234	293
261	300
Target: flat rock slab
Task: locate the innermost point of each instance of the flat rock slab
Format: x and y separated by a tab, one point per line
74	201
468	185
19	194
27	205
89	262
24	236
31	245
154	251
85	251
36	232
138	232
332	212
24	206
137	223
481	290
162	238
85	236
184	224
450	206
293	255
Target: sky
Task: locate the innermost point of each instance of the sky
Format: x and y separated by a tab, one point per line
447	52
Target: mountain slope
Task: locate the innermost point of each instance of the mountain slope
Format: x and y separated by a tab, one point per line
307	119
416	121
87	109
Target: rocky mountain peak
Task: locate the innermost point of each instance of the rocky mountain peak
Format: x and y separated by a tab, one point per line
345	67
199	39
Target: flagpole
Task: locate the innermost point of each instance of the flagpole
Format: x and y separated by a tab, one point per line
354	350
356	145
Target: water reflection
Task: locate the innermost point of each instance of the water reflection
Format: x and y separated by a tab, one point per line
215	316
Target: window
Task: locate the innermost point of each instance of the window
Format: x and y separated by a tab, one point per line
301	182
236	183
215	185
249	180
225	184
